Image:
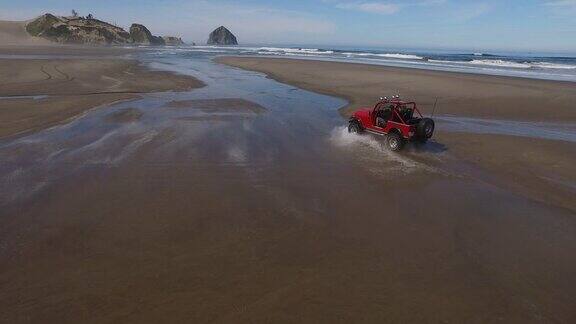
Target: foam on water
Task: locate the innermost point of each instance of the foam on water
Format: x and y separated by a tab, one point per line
545	65
386	55
522	65
501	63
295	50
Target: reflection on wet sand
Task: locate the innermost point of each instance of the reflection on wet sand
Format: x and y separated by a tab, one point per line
219	105
125	115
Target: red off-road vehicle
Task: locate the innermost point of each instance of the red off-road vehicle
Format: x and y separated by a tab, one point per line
398	120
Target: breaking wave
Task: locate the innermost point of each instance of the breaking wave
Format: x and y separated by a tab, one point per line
386	55
295	50
523	65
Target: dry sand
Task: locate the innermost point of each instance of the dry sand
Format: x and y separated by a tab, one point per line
65	88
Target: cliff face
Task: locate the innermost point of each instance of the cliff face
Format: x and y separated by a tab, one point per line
222	36
141	35
76	30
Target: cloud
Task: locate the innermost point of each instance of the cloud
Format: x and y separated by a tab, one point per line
371	7
469	12
431	2
380	7
561	3
561	7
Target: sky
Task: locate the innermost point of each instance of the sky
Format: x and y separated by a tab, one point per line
511	25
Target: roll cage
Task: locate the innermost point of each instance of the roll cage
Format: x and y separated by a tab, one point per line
398	107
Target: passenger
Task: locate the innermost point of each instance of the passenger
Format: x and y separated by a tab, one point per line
382	116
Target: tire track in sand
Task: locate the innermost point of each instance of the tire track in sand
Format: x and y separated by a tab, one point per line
66	76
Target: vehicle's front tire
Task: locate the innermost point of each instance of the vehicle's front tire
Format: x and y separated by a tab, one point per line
395	142
354	128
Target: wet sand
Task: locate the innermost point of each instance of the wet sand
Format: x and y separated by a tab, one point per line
143	212
126	115
40	93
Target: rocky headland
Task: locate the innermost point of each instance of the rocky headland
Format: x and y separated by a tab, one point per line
88	30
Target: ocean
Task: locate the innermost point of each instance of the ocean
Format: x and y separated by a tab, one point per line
537	66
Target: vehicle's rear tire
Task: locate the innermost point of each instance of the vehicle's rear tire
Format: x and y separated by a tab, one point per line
395	142
354	127
425	128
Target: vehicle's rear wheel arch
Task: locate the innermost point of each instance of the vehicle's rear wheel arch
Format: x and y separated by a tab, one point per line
395	131
358	122
355	123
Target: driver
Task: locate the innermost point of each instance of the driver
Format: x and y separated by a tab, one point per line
382	116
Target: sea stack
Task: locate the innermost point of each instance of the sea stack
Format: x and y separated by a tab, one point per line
222	36
173	41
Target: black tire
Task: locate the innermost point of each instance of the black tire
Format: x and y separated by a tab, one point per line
425	128
395	142
354	127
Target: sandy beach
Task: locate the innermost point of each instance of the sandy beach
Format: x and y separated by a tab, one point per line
138	196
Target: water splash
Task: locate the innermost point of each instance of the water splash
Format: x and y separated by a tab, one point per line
374	153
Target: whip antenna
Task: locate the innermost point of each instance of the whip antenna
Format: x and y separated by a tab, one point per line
434	109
